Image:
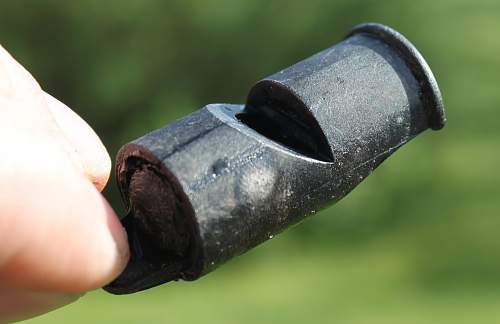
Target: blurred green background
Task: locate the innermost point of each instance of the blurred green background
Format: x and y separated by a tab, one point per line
417	242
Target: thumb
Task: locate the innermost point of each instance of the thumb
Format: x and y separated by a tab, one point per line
58	232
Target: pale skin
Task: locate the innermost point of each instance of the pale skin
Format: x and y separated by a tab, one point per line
59	238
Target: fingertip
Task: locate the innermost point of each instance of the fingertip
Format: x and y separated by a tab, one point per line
85	144
19	78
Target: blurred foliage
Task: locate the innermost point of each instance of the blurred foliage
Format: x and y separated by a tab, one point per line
417	242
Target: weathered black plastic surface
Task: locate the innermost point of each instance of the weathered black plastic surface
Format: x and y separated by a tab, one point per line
306	137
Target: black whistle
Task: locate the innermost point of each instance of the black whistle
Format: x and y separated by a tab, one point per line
222	180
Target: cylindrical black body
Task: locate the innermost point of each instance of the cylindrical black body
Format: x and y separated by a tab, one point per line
228	177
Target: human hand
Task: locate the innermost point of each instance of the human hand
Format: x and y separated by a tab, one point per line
58	236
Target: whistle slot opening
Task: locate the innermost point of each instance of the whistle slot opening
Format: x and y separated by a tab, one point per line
276	113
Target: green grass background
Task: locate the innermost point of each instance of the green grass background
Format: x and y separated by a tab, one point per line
417	242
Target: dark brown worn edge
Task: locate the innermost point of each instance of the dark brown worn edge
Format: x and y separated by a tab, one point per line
142	273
